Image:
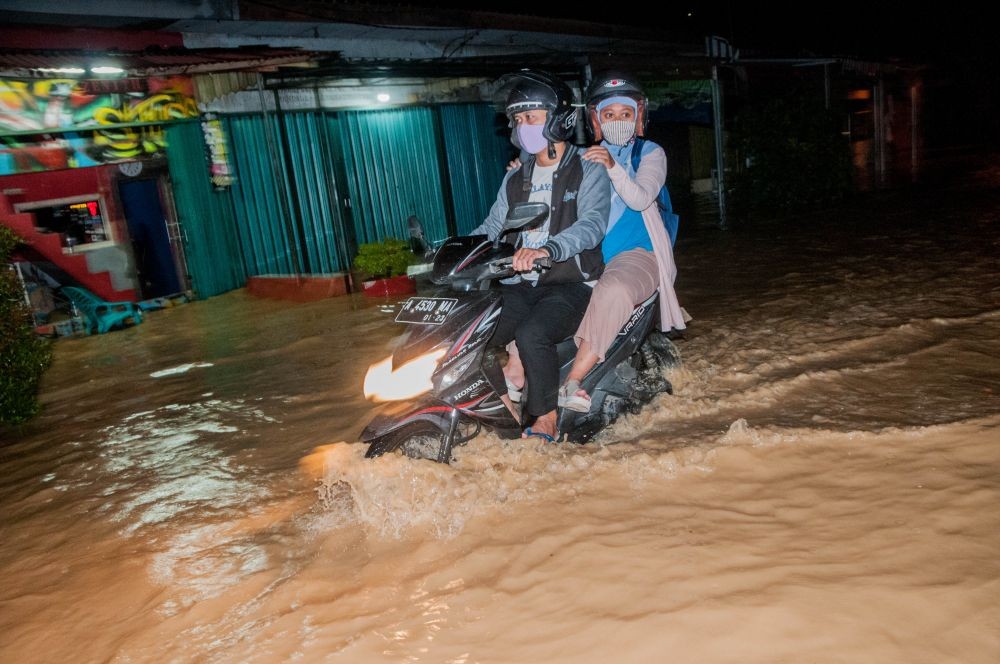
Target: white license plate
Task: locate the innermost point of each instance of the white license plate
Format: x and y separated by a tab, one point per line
426	310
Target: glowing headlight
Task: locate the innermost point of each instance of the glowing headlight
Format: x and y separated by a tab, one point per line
410	380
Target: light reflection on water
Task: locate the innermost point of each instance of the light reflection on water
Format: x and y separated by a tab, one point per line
164	462
174	483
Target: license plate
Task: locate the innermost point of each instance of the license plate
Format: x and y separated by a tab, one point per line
426	310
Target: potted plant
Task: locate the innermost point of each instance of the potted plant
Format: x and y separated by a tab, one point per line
386	262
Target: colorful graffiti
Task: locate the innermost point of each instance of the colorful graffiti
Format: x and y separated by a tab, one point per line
66	123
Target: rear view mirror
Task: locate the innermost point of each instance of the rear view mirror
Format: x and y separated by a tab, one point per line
523	216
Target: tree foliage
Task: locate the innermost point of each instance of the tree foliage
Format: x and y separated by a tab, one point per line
24	356
792	156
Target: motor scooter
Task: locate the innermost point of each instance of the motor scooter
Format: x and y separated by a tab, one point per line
436	376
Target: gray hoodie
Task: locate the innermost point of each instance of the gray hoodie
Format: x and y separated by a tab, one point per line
593	206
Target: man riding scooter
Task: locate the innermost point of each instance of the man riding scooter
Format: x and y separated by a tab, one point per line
542	309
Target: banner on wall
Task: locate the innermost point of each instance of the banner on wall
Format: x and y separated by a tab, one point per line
66	123
220	170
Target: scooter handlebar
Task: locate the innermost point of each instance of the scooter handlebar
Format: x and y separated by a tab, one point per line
505	264
545	262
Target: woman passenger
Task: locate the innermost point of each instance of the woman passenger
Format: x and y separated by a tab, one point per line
637	250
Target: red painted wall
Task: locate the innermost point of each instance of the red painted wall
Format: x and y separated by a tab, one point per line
49	185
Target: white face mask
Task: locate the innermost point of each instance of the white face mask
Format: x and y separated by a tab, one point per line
618	132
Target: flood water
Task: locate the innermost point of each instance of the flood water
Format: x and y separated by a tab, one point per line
823	486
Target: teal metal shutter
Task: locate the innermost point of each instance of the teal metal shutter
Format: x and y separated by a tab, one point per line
477	145
260	197
311	171
211	241
284	195
393	171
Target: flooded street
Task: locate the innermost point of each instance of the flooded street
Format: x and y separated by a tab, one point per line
823	486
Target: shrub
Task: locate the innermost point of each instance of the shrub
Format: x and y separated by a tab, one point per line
388	258
23	355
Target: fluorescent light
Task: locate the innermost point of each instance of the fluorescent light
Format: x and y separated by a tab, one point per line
107	70
62	70
382	97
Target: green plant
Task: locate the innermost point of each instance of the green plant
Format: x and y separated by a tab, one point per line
23	355
792	155
387	258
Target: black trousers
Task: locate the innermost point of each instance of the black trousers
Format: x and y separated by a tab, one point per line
538	318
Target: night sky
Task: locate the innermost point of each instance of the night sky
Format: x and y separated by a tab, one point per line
924	31
937	32
953	43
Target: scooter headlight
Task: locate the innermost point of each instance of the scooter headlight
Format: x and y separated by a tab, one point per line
410	380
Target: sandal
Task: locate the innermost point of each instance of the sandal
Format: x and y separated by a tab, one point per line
573	398
528	433
513	391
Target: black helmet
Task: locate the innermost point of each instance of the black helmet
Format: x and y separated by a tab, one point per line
532	89
615	84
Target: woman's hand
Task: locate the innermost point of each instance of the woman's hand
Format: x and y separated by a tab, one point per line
524	258
513	163
600	155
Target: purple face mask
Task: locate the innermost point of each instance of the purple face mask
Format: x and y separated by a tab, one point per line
532	138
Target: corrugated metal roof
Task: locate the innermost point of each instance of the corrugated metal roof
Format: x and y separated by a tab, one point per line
28	63
211	86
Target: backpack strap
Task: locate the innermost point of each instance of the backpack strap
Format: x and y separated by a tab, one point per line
527	170
637	153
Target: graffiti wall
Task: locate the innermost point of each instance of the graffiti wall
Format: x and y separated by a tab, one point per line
67	123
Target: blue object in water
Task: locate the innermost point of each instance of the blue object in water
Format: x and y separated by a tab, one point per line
102	316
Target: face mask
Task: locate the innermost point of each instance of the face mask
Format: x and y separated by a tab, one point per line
618	132
531	137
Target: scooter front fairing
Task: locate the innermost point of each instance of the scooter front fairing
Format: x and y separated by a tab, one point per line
461	394
453	423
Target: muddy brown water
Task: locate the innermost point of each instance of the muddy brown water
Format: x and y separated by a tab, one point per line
823	486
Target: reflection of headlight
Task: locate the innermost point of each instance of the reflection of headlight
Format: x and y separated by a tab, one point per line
406	382
451	375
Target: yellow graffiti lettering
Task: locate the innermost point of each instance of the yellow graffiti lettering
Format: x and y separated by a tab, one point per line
121	143
158	108
125	143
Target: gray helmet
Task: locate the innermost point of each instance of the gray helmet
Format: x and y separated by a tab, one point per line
530	89
615	84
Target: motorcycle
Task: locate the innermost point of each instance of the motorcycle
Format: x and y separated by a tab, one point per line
436	375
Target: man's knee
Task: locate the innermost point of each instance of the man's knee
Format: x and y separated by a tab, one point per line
533	335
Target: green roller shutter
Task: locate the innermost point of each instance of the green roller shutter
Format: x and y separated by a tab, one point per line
211	240
393	171
478	147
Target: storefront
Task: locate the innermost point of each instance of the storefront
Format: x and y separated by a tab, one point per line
84	180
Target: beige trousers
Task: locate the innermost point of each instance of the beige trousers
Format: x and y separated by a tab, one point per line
630	278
